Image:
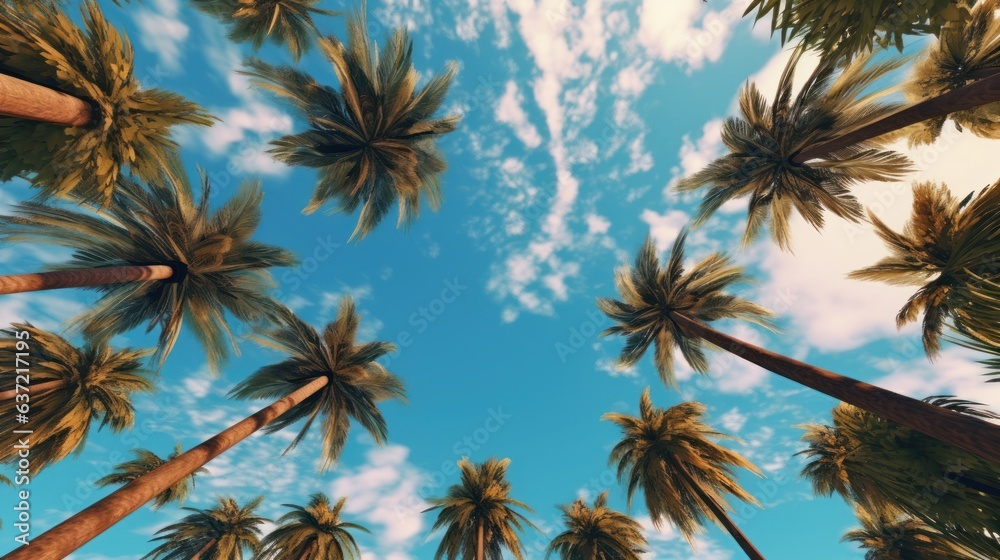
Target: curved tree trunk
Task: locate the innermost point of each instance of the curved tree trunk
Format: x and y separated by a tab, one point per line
84	277
481	544
982	91
203	550
64	538
720	513
972	434
34	389
26	100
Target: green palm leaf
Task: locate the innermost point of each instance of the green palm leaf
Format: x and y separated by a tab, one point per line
898	537
223	532
598	532
314	532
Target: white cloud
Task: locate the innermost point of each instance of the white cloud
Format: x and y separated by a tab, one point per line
696	155
687	32
510	112
954	372
408	14
733	420
664	227
163	32
610	367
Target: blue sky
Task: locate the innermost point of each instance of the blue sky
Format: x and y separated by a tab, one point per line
578	116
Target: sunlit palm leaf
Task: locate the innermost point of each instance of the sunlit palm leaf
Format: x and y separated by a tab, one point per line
598	531
230	528
144	462
316	531
282	22
898	537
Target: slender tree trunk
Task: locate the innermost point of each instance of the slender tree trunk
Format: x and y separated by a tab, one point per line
64	538
34	389
18	283
26	100
972	434
719	512
481	545
204	549
982	91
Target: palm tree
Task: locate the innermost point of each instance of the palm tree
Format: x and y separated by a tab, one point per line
949	248
898	537
374	141
886	468
282	22
598	533
957	59
847	29
213	265
672	456
144	463
479	514
765	139
314	532
328	376
223	532
93	120
69	389
669	307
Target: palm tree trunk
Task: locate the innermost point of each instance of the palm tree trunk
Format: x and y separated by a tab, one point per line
26	100
18	283
481	544
719	513
204	549
64	538
982	91
966	432
35	389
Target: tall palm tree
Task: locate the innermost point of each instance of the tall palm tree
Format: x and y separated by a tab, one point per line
144	463
673	457
75	114
329	376
886	468
68	389
598	533
846	29
222	532
765	138
374	141
669	307
214	266
958	58
950	248
314	532
479	514
898	537
282	22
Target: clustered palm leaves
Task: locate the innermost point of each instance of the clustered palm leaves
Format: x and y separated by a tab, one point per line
886	469
356	381
219	266
374	141
314	532
887	536
283	22
955	60
129	132
146	461
225	531
598	532
97	382
764	140
666	453
651	295
479	514
951	249
846	29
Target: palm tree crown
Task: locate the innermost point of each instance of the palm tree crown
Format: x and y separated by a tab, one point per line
598	532
218	267
98	384
145	461
650	294
659	446
764	139
357	383
951	249
41	44
283	22
480	504
898	537
314	532
374	141
223	532
950	63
